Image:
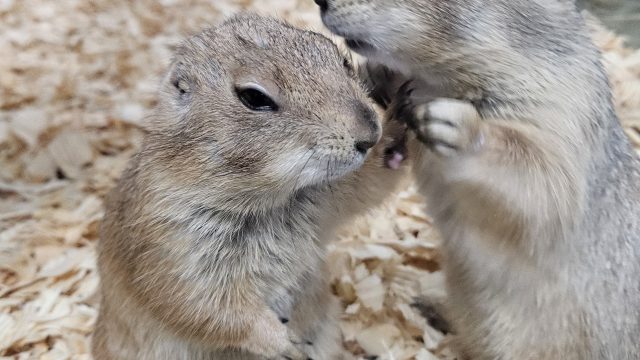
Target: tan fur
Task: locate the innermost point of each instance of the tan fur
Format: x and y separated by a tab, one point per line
527	172
216	233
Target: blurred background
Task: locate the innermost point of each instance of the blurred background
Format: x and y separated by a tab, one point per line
622	16
76	80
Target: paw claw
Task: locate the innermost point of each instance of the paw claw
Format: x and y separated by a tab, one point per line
447	126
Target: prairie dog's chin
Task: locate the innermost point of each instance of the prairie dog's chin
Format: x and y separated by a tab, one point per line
333	169
361	47
367	46
354	42
377	55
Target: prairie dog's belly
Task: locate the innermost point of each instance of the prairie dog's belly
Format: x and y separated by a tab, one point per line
495	290
495	294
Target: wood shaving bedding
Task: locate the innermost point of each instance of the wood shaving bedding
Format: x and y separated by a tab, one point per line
76	79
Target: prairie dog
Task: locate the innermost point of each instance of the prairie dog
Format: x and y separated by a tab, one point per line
213	243
528	173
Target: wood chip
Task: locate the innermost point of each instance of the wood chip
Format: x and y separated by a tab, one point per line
71	151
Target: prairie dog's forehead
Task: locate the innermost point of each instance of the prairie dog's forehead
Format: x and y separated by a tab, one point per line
262	48
256	37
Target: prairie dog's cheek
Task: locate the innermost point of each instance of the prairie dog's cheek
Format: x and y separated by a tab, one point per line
292	165
243	160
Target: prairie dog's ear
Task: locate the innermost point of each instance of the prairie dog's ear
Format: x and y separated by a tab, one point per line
253	39
181	84
176	92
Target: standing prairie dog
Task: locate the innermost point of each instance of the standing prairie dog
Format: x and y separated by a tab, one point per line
528	173
214	241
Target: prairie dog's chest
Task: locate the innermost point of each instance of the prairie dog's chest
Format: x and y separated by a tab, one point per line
299	269
270	250
290	252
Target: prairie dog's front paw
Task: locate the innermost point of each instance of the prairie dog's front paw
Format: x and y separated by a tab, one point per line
393	143
273	340
450	127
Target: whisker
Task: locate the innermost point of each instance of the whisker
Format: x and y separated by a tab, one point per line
330	171
312	149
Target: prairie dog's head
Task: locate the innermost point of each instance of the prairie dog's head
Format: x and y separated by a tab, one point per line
264	106
453	34
399	33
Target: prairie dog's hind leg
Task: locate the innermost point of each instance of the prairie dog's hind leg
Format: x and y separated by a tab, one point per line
315	318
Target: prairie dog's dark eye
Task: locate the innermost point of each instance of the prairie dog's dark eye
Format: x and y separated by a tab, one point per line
255	99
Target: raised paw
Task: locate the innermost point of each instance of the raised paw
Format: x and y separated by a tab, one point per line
294	354
450	127
303	347
296	350
271	339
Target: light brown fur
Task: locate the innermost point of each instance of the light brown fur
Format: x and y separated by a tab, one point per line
527	171
214	241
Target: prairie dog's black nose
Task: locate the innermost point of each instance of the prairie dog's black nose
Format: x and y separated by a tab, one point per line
323	4
363	146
